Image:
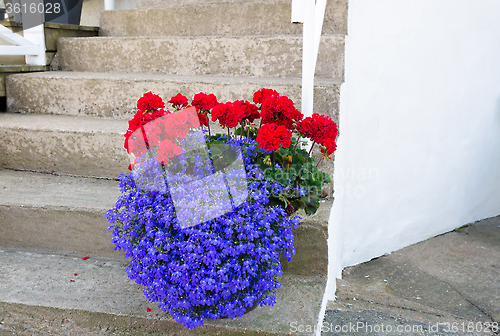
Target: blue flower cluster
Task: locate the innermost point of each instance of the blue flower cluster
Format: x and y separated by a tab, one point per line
219	268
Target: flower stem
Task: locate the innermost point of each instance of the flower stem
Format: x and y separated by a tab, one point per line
317	164
296	144
310	151
208	125
143	131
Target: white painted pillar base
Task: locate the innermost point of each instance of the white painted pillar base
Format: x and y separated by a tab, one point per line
109	4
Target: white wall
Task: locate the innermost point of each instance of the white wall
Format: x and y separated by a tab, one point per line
419	146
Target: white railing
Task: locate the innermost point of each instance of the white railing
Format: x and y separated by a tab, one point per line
311	13
31	44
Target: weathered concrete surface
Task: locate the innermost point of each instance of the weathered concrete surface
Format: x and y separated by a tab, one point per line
12	66
451	278
56	230
27	189
57	214
114	95
101	288
63	144
267	17
55	31
251	56
311	243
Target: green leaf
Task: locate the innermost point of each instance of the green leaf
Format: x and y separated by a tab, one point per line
238	131
311	203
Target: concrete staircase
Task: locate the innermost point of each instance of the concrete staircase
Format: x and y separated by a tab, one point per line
62	137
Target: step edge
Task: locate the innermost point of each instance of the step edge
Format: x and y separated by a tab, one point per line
156	77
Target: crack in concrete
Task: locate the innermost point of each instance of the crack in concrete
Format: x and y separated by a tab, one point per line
398	307
468	300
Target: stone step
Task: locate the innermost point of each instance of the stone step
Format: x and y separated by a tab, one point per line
63	144
65	214
57	214
115	95
251	56
40	294
8	70
263	17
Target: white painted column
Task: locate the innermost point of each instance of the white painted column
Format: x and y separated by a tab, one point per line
109	4
308	58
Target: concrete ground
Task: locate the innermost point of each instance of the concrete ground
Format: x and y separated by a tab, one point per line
446	285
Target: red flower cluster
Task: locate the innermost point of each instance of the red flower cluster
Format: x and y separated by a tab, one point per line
147	129
177	124
167	150
202	118
279	110
134	140
178	101
150	102
279	118
321	129
228	114
259	96
250	111
204	102
330	147
271	136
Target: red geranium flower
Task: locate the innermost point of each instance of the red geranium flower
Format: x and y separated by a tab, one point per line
154	132
250	111
167	150
318	128
271	136
203	119
330	147
228	114
150	102
260	95
135	144
204	102
141	118
178	101
279	110
135	122
177	125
